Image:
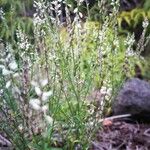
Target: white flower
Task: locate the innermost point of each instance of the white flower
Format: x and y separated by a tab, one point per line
103	90
59	12
109	91
8	84
2	66
17	90
49	119
33	83
1	91
69	5
130	52
81	1
22	40
16	75
44	82
107	97
8	57
35	103
145	23
46	95
2	14
20	127
6	71
13	65
75	10
80	14
54	2
44	108
38	91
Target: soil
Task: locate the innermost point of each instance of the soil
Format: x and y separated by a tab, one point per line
121	135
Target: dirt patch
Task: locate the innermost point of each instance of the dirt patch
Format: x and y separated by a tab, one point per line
123	136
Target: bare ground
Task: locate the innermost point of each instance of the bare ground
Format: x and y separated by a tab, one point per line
123	136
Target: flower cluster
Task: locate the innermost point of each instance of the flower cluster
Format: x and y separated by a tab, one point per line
8	64
23	42
2	14
40	103
129	44
39	17
145	23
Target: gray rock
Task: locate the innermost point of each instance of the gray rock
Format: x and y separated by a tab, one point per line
5	144
133	98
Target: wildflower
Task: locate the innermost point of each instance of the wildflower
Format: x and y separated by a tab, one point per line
103	90
44	108
80	14
38	91
16	75
2	66
8	84
23	42
44	82
46	95
54	2
81	1
33	83
35	103
1	92
145	24
40	83
130	52
130	40
16	90
20	127
38	20
49	119
6	72
13	65
75	10
109	91
8	57
2	14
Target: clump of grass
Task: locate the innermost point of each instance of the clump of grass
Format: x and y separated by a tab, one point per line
45	85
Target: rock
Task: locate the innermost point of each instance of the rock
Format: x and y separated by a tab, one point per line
126	5
5	144
133	98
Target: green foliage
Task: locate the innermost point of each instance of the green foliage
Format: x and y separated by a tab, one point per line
15	16
145	67
146	5
133	18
